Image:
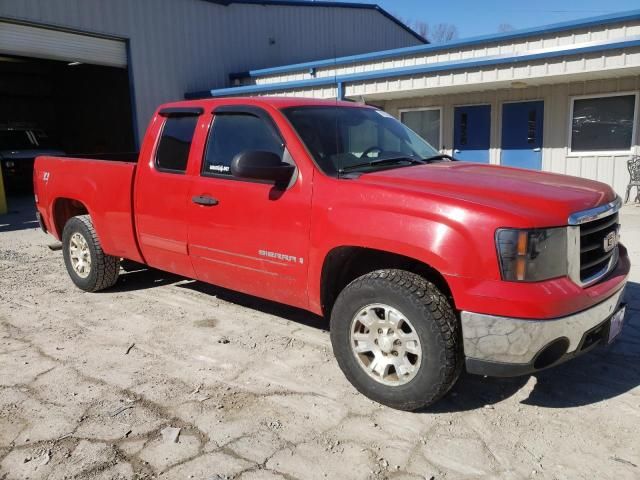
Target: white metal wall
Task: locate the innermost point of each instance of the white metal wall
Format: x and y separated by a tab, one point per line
610	169
179	46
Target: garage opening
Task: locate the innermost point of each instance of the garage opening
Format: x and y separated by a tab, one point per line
60	93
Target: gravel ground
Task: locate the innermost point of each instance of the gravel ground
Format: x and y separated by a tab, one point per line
164	377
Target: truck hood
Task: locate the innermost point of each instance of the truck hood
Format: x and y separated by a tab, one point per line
538	198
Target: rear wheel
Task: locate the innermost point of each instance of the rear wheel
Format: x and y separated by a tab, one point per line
396	338
88	266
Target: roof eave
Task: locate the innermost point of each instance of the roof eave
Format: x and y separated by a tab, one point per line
397	52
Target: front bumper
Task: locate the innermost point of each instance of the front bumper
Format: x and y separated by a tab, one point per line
503	346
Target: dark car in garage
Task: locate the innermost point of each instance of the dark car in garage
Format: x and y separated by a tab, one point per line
19	146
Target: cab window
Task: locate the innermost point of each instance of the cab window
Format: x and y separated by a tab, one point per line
175	142
233	133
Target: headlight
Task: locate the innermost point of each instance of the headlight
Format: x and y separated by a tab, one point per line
532	255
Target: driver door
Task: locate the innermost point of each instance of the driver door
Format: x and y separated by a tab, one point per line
251	237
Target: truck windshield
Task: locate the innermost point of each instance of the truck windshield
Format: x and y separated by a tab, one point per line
357	138
15	140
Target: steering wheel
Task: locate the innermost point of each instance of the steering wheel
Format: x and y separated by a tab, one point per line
369	150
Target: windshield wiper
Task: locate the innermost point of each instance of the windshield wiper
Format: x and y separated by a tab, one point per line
440	156
380	162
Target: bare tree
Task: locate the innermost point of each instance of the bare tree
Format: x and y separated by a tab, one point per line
443	32
422	28
505	27
440	33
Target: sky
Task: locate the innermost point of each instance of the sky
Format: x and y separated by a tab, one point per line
478	17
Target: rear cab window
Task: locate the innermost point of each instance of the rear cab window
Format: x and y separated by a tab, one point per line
172	154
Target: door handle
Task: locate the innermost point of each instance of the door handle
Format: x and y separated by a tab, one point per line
204	200
456	151
536	149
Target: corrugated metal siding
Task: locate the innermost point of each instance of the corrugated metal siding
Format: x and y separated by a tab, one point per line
610	169
571	38
29	41
542	71
178	46
565	68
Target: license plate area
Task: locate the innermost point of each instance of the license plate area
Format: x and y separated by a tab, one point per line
616	323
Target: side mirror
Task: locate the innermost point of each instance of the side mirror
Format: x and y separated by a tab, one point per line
261	165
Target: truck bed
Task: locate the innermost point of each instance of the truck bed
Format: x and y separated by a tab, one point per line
130	157
104	188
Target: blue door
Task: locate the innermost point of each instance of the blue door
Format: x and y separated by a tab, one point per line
522	134
471	133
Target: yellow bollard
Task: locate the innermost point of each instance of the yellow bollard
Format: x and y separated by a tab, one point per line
3	196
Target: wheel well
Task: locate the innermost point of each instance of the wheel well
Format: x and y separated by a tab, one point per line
64	209
344	264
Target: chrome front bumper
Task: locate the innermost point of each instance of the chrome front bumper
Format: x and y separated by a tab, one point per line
502	346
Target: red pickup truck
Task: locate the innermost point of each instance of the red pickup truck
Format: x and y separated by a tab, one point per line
423	264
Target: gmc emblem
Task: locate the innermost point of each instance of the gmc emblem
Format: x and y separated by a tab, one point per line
610	241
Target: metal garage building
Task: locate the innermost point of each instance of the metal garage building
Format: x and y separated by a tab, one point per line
561	98
163	48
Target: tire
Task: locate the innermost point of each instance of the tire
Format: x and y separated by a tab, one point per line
422	314
102	271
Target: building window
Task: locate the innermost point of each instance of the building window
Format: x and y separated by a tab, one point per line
172	154
603	124
425	122
234	133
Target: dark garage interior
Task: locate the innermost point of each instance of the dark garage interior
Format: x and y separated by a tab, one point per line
78	108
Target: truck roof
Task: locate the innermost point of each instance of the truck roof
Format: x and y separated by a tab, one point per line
274	102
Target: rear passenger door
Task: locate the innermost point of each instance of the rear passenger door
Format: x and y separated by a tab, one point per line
250	236
162	191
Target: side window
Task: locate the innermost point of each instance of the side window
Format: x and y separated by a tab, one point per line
233	133
425	123
603	123
175	142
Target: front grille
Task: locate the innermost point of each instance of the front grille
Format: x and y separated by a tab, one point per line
594	260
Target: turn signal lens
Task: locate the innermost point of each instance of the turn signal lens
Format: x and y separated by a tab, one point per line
532	255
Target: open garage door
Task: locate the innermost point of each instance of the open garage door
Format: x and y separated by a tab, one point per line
37	42
60	93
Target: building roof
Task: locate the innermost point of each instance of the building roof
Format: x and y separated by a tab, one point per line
276	102
494	60
466	42
419	69
314	3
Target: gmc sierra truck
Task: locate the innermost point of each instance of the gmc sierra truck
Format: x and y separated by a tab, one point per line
423	265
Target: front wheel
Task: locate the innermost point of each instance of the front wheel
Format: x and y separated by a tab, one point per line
88	266
396	338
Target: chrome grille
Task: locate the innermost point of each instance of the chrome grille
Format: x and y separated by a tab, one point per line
593	257
588	259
